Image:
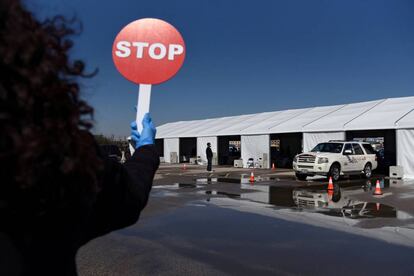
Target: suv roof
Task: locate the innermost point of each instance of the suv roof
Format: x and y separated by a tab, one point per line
344	141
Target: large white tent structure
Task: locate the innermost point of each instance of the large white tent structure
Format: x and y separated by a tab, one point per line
314	125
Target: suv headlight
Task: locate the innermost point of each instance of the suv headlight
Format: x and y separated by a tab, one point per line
322	160
295	159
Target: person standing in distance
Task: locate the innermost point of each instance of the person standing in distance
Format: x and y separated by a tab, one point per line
209	154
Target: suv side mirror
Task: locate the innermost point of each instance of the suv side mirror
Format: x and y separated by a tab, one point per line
347	152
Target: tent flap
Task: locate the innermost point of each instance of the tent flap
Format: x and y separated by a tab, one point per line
171	145
254	146
202	145
405	151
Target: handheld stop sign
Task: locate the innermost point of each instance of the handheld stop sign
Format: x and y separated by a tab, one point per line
148	51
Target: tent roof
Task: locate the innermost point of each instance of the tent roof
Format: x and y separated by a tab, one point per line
385	115
338	119
406	121
297	123
380	114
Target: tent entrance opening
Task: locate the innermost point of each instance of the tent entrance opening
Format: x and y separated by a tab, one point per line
383	142
229	149
188	149
284	147
159	146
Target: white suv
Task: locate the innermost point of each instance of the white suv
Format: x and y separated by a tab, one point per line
336	158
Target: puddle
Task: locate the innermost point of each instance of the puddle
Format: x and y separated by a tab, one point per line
207	180
316	199
370	184
366	185
184	185
177	186
384	183
340	202
160	193
369	210
229	195
244	179
233	180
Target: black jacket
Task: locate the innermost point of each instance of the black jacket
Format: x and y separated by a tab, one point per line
209	153
49	245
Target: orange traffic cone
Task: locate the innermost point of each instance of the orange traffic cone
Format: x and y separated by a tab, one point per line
330	195
330	184
273	167
378	189
252	177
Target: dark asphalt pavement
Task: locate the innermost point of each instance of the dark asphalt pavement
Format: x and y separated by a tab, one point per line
220	224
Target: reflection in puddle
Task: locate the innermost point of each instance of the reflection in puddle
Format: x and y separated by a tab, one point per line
244	179
233	180
315	199
369	210
229	195
184	185
207	180
318	199
339	203
177	186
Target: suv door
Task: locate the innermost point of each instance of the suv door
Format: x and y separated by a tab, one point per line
360	157
348	160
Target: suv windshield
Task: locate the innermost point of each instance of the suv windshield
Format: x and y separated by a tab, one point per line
328	147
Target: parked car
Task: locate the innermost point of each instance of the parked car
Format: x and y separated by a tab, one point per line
335	159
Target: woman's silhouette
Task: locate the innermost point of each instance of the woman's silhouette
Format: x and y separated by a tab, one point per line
57	191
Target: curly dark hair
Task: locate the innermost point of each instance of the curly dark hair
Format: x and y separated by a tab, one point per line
47	154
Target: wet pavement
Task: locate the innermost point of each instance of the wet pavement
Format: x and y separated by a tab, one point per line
223	224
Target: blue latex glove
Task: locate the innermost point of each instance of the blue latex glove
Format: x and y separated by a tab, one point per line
147	137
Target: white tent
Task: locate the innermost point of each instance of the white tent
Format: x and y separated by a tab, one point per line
379	114
317	124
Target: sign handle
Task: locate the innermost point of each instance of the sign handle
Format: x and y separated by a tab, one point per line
143	106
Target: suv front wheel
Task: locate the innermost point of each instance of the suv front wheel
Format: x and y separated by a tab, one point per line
368	170
335	172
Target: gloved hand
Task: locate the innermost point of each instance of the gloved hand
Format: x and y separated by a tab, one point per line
147	136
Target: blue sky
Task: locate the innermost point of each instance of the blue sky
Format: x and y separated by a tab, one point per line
249	56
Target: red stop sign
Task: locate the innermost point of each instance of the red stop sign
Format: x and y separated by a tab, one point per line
148	51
